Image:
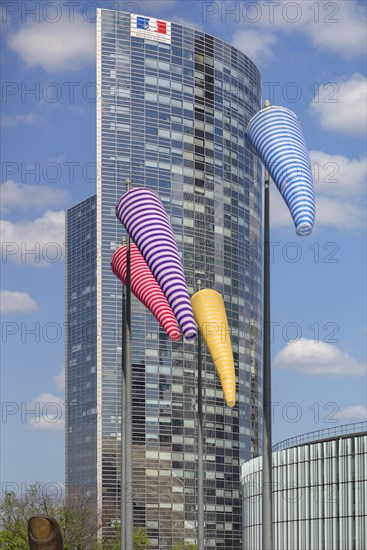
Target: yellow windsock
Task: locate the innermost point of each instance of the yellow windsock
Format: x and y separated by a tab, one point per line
210	315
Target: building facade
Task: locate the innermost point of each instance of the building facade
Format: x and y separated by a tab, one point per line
173	106
81	345
319	494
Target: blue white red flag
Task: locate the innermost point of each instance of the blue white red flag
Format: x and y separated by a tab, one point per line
150	28
154	25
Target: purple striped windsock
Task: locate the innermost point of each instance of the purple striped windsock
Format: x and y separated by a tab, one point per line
146	221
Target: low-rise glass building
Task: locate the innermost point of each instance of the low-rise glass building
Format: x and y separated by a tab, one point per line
319	492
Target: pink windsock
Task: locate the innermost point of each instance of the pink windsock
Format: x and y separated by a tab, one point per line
145	288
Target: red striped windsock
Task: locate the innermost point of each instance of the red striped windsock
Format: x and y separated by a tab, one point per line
145	288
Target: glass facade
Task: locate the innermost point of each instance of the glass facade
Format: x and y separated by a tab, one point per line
319	496
172	116
81	347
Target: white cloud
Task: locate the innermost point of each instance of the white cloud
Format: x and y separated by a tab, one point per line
257	45
59	380
341	28
342	106
342	214
16	302
317	358
338	212
39	242
340	193
340	185
31	119
33	197
338	27
356	411
49	413
338	175
55	46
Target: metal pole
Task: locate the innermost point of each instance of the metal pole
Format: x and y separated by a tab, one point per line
244	503
129	521
123	408
267	503
200	446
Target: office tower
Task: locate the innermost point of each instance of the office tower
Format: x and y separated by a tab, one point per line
173	106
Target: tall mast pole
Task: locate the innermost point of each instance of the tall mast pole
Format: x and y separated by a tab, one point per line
123	424
267	503
200	444
127	538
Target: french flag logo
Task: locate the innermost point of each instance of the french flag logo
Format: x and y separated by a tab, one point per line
150	24
149	28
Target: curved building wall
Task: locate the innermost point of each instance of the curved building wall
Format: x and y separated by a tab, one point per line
319	496
171	115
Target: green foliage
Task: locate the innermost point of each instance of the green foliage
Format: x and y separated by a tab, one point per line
78	522
185	546
14	525
12	541
141	539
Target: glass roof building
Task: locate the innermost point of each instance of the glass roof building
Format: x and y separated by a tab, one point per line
319	491
172	110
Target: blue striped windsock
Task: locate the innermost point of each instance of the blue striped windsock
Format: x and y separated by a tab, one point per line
146	221
276	135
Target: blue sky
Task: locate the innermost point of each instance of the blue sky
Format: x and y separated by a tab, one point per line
312	59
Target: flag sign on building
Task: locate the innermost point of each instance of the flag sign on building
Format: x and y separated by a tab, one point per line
150	28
